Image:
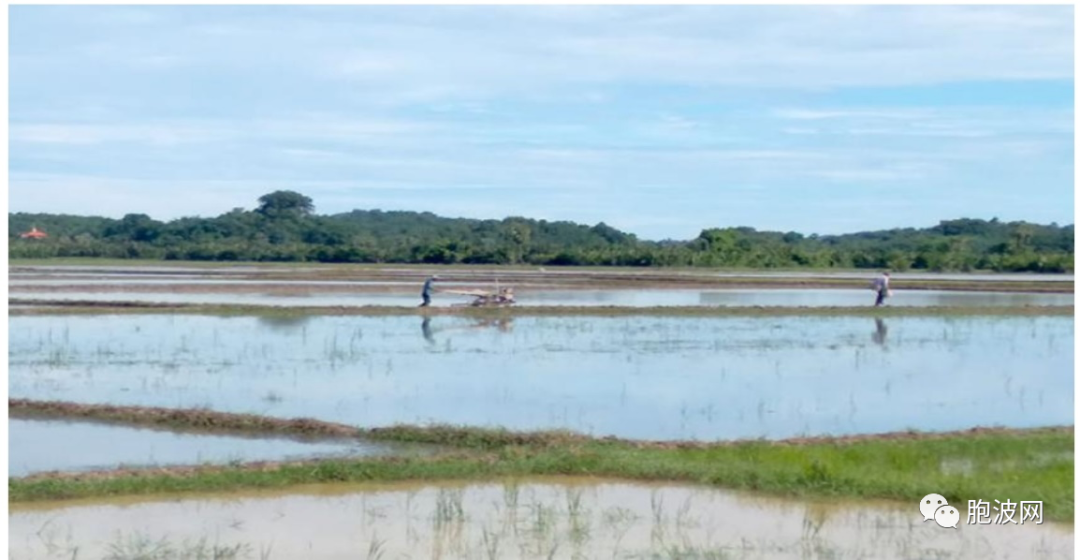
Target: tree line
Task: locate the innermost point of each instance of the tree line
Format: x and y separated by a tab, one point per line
284	227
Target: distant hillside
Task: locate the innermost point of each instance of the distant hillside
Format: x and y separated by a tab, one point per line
284	228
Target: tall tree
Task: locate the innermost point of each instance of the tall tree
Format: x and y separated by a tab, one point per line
279	204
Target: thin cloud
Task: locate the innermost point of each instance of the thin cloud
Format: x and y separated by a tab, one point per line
185	132
88	134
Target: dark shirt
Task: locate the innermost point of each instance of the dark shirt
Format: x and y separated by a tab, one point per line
427	287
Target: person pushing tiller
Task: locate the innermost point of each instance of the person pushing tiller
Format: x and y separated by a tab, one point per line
881	286
426	293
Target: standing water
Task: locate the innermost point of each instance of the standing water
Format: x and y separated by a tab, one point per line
634	377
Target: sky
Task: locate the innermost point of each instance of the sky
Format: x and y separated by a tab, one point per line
658	120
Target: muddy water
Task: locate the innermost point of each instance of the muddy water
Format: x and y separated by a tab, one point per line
635	377
545	518
407	295
38	446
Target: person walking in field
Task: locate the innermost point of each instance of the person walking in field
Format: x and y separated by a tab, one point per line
426	293
881	286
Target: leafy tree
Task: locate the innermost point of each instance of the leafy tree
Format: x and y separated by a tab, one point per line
136	227
280	204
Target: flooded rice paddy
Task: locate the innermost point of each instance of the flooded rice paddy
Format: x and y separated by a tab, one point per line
635	377
541	518
45	445
643	377
401	294
292	286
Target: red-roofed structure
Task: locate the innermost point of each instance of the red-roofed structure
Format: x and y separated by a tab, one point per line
34	233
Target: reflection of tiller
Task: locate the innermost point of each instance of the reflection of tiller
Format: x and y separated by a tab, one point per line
504	324
484	298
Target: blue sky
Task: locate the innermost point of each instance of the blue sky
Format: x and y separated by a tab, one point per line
657	120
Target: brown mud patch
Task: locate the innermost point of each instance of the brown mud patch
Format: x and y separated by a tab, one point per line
193	471
458	436
190	419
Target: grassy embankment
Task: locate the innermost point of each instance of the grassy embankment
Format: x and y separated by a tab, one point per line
987	464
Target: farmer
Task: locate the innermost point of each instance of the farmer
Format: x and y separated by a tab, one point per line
881	286
426	294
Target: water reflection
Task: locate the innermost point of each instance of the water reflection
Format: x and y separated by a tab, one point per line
284	323
43	445
880	332
503	324
425	327
638	377
531	518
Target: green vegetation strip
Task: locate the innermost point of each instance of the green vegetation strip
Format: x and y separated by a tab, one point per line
987	464
283	227
67	307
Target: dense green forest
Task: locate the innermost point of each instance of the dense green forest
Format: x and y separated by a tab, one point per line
284	227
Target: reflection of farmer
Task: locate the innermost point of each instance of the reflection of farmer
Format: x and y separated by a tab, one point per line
881	332
881	286
426	294
426	328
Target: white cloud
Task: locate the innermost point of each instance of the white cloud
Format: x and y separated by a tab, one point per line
863	176
86	134
916	131
311	126
954	122
331	127
819	114
129	16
